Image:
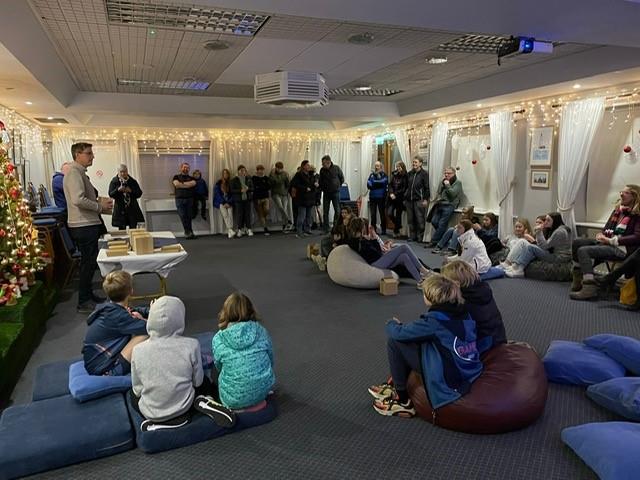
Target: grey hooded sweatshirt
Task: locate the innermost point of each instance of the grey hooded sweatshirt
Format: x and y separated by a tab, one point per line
166	368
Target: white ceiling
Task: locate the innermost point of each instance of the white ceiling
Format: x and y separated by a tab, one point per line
70	57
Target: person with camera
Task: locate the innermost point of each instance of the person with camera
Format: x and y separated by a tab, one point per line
125	192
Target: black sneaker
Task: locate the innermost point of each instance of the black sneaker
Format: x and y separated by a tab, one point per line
150	426
190	236
436	250
86	307
266	232
214	410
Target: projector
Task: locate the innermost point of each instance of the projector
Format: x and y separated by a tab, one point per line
521	46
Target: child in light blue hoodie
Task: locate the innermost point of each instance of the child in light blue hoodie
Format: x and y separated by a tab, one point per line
242	354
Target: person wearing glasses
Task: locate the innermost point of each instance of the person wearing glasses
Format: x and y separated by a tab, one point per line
84	207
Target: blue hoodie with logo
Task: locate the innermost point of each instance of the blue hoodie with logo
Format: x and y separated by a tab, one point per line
111	326
243	356
449	356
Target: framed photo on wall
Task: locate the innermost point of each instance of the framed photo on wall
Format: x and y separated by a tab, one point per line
540	179
541	147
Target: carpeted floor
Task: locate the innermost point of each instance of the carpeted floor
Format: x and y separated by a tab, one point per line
329	346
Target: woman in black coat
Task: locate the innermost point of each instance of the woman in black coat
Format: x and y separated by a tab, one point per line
125	192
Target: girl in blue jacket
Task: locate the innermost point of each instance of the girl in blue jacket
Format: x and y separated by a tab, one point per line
441	345
242	354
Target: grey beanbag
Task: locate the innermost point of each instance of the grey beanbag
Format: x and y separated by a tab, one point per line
345	267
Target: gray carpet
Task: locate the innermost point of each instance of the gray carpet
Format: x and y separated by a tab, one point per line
329	346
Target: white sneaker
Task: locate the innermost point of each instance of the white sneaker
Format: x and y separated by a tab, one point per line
239	234
516	271
505	266
250	233
322	264
231	233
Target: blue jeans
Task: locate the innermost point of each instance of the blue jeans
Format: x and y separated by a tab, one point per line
523	253
403	357
449	239
401	255
303	222
185	210
327	200
440	220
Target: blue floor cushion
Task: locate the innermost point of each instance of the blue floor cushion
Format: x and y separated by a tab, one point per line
59	431
609	448
625	350
576	364
52	380
493	272
199	429
206	348
620	395
85	387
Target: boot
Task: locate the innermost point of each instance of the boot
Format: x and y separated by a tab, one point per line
606	282
589	290
576	282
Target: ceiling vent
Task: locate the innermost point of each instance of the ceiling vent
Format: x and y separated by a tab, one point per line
184	17
51	120
355	92
186	84
474	44
291	89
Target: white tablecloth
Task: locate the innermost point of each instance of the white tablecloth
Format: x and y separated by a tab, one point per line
162	263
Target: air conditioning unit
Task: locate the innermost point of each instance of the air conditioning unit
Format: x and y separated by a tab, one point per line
291	89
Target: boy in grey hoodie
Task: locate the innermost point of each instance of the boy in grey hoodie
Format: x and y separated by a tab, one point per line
166	372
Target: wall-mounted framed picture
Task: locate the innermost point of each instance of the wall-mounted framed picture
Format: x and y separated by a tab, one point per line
540	179
541	147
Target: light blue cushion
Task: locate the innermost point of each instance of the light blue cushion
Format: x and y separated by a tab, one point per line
625	350
493	272
576	364
609	448
620	395
84	387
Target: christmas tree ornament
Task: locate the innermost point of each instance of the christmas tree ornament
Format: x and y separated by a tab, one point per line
488	147
474	161
627	149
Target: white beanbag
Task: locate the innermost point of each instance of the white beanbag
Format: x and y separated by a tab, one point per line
347	268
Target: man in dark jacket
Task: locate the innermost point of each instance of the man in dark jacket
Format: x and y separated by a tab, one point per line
185	185
125	192
331	179
416	199
57	185
305	185
242	192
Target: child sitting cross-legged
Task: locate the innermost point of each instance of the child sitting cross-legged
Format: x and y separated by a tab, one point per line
166	373
440	345
242	354
114	329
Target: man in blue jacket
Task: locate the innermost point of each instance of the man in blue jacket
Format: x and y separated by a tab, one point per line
57	187
331	179
377	185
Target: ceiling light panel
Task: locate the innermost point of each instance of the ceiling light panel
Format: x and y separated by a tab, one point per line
166	84
474	44
185	17
355	92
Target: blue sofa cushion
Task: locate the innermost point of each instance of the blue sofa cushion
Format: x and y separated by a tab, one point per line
205	340
84	387
59	431
609	448
199	429
576	364
624	350
493	272
52	380
620	395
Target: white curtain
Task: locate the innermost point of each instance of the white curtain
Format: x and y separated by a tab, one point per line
366	162
436	156
127	148
289	152
61	148
402	142
579	124
503	147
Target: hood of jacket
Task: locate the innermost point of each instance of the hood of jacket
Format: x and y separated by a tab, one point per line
240	335
466	236
166	317
106	310
479	293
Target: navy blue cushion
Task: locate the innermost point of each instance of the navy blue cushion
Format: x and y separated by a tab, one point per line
609	448
52	380
206	348
620	395
85	387
493	272
59	431
199	429
625	350
576	364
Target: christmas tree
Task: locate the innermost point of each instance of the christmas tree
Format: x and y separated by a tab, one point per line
20	252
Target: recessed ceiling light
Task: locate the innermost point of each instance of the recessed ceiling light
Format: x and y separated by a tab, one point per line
361	38
478	105
28	102
364	88
58	123
434	113
215	45
436	60
49	118
577	85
